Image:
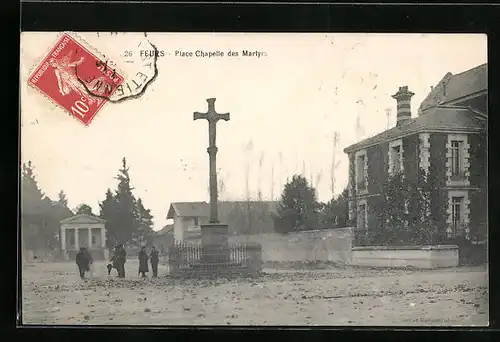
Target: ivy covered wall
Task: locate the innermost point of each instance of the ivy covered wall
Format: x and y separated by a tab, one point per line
377	166
378	158
478	199
437	179
352	220
478	160
411	157
375	211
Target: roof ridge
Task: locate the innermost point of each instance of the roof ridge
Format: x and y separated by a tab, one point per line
451	106
478	113
468	70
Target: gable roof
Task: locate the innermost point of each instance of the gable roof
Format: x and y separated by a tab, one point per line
193	209
440	118
202	209
83	218
454	87
242	217
165	230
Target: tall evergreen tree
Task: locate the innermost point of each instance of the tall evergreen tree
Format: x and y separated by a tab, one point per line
31	195
127	220
109	212
32	208
298	208
62	199
144	220
125	201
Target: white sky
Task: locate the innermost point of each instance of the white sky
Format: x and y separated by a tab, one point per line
291	101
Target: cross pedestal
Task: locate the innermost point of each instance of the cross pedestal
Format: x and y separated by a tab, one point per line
213	235
214	243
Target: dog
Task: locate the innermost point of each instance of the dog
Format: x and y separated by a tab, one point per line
110	268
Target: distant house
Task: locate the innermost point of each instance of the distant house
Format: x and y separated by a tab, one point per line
243	217
163	238
448	134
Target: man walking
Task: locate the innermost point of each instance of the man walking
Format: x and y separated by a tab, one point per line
121	259
154	261
83	262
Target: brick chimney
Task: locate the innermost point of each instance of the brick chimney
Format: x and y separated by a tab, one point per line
403	98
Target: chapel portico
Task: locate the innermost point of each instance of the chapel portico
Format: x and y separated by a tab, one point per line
83	231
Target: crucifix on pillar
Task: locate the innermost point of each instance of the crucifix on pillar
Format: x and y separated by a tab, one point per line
212	117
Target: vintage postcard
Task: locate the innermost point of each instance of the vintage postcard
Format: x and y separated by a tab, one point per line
244	179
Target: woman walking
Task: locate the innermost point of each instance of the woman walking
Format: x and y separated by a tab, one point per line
143	262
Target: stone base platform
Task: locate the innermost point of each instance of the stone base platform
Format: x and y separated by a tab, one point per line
426	257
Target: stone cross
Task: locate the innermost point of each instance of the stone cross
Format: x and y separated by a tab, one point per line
212	117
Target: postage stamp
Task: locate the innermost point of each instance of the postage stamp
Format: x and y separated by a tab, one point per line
75	79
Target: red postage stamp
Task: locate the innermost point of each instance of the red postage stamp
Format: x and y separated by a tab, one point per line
75	79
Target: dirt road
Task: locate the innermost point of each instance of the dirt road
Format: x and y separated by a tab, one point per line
53	294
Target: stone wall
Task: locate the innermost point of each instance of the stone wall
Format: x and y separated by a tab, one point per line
328	245
406	256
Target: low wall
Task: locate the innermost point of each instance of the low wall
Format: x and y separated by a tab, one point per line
406	256
328	245
40	255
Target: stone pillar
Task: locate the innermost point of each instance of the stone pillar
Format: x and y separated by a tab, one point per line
77	245
90	237
103	237
63	239
214	241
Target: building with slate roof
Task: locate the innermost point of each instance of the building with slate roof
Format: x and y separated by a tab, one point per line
449	133
242	217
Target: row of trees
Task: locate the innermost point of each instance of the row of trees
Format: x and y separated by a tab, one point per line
128	221
40	216
300	210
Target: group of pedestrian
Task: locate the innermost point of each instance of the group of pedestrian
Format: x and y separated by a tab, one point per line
143	262
118	260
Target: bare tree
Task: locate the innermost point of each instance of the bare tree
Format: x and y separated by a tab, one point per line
335	164
261	159
280	172
272	182
248	150
316	183
388	112
221	186
360	131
